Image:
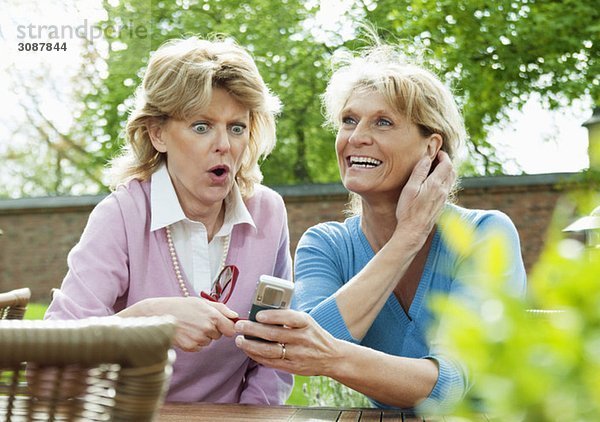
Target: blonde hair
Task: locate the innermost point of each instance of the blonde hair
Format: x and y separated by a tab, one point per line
177	84
411	90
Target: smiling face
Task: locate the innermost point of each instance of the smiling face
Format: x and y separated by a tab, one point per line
205	152
377	148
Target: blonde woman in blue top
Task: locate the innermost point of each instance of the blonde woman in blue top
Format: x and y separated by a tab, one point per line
364	284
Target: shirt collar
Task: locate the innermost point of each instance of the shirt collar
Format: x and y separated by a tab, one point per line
165	207
236	212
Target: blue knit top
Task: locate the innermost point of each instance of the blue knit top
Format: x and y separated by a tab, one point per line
330	254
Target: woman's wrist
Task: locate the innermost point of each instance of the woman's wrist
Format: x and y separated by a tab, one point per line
146	307
408	238
340	363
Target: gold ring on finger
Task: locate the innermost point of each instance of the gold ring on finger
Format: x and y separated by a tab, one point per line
282	351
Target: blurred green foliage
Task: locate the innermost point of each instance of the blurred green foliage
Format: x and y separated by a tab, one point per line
298	398
532	366
35	311
324	391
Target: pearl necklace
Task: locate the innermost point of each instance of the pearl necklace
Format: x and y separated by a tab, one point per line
175	261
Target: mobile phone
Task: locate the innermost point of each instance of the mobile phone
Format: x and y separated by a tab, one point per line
271	293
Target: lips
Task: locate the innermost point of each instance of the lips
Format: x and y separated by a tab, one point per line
219	172
362	161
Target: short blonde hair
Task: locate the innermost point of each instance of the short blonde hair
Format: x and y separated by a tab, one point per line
177	84
411	90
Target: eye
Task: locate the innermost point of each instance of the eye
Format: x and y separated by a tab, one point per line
200	127
347	120
384	122
238	128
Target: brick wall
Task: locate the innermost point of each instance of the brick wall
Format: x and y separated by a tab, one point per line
39	232
530	207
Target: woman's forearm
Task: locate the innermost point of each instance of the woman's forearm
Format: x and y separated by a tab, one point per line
311	350
361	299
393	380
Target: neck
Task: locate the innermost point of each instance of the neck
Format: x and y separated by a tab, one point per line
211	217
378	222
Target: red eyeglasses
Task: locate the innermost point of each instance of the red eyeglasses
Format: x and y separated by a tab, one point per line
223	285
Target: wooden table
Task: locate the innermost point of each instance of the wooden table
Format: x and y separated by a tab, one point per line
175	412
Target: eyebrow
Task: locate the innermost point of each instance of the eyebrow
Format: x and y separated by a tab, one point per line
379	111
200	116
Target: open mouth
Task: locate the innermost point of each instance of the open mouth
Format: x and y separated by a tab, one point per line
219	170
363	162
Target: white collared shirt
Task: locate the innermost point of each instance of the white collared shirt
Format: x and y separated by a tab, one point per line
199	259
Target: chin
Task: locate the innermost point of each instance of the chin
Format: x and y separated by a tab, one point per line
355	187
214	196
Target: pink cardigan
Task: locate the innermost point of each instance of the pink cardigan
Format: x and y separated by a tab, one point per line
119	262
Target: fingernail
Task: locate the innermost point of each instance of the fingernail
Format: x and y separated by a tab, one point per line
239	340
239	326
260	317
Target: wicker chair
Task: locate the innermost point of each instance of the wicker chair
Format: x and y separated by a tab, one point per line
13	304
93	369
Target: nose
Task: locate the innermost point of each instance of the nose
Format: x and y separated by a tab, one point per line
222	144
361	135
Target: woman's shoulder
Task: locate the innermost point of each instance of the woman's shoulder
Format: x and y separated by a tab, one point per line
334	231
264	198
483	220
134	189
266	207
264	195
128	198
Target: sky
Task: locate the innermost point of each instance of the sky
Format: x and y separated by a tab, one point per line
544	141
533	140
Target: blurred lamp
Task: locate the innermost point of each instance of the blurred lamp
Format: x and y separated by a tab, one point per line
590	225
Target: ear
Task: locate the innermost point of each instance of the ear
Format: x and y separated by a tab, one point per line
434	144
155	130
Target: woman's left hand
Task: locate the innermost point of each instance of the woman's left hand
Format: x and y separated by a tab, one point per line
296	343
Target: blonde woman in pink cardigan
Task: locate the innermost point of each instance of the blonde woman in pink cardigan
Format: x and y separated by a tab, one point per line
181	231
